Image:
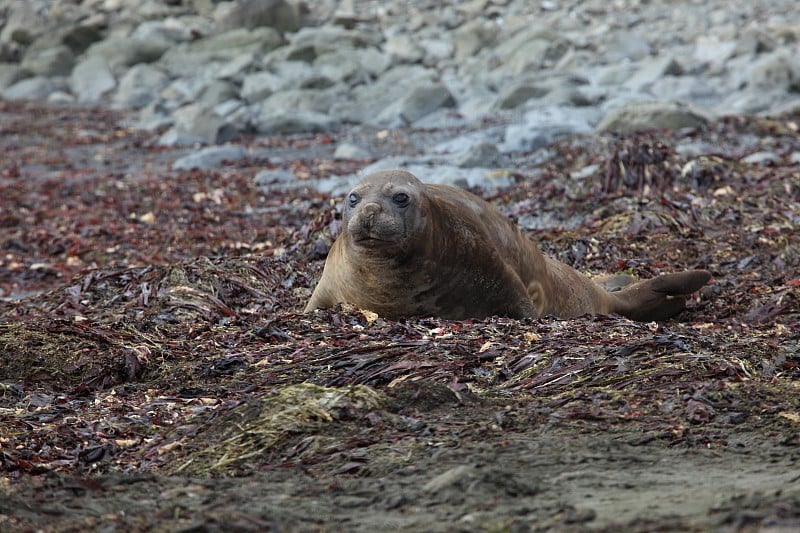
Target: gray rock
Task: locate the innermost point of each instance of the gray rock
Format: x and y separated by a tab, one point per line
350	151
215	92
309	43
91	79
544	125
761	158
351	66
57	61
37	87
436	49
139	86
518	92
313	100
277	14
652	115
237	68
300	75
11	73
530	49
154	117
626	46
187	59
652	70
23	20
474	36
197	124
404	48
776	70
211	157
280	122
709	49
364	103
259	85
481	154
60	98
276	180
121	53
77	38
418	102
169	31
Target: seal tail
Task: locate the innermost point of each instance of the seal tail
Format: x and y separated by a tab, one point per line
658	298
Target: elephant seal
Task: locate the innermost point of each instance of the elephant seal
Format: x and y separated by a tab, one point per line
414	249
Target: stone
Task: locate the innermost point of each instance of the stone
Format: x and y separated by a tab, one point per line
91	79
532	48
313	100
169	31
210	157
418	102
350	65
57	61
652	115
518	92
187	59
776	70
121	53
625	45
481	154
364	103
24	18
350	151
259	85
309	43
404	48
197	124
473	36
139	86
277	14
30	88
709	49
10	73
652	70
287	122
215	92
276	180
541	126
761	158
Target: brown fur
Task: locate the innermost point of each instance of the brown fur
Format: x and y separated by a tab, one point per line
450	254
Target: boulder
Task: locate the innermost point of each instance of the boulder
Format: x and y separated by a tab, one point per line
210	157
652	115
139	86
37	87
91	79
277	14
57	61
284	122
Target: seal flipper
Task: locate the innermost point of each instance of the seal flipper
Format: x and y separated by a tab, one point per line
658	298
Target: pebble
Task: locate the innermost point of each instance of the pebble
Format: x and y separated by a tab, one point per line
210	157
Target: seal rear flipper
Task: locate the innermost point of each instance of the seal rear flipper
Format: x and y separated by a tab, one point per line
659	298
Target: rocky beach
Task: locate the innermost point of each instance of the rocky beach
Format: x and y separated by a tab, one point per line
170	174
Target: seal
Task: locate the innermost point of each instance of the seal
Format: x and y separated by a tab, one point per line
414	249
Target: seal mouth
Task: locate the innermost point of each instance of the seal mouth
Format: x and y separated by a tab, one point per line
373	242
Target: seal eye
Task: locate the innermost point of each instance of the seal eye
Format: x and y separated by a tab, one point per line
353	198
400	199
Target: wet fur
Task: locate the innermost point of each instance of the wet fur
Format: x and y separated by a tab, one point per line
455	256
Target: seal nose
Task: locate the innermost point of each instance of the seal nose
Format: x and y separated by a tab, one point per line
369	211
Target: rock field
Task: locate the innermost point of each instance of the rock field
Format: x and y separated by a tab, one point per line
520	73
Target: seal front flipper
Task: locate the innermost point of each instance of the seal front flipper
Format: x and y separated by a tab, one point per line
658	298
